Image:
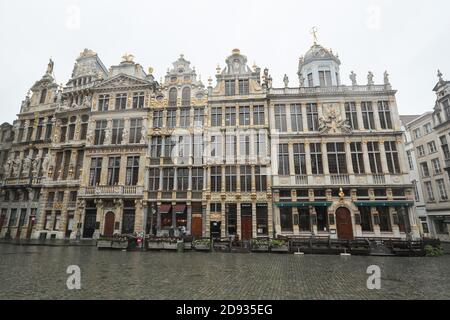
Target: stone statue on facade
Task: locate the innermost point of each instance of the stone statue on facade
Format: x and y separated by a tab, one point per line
108	135
440	76
50	66
26	166
15	167
125	136
7	167
46	162
370	79
332	121
353	78
143	135
386	78
302	80
34	166
286	81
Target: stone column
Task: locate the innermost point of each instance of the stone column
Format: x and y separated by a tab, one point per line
139	216
376	116
348	157
223	216
99	218
304	119
383	157
189	218
326	170
366	158
359	115
270	219
238	219
207	219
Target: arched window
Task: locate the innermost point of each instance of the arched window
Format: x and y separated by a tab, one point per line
43	96
173	97
186	97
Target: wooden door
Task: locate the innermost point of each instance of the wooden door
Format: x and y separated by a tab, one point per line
196	227
109	224
246	228
344	224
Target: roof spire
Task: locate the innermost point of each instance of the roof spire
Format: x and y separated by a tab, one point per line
314	31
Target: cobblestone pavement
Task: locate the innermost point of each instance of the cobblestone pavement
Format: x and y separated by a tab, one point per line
40	273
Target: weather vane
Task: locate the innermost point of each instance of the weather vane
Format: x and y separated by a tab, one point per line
314	31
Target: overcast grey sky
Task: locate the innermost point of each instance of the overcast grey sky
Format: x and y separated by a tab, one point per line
408	38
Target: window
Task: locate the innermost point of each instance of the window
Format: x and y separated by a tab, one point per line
121	101
427	128
357	157
182	179
316	158
243	87
436	166
244	116
299	158
393	164
186	97
280	117
442	191
132	173
261	146
157	118
421	151
432	147
230	116
135	130
430	192
258	115
416	191
286	219
373	149
169	144
322	218
230	179
184	146
410	160
230	87
184	117
216	117
153	184
100	127
95	171
337	162
261	178
117	131
304	220
38	130
230	148
262	219
310	80
138	100
325	78
385	115
171	118
43	96
283	159
246	178
168	179
72	128
312	117
351	115
84	127
417	133
216	147
366	218
197	179
231	218
173	96
425	170
446	105
198	149
296	118
103	102
63	131
79	164
113	171
445	148
199	116
385	219
367	115
244	147
216	179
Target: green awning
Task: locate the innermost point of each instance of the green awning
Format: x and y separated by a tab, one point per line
398	203
304	204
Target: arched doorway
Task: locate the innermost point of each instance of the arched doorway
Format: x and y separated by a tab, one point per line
109	224
344	224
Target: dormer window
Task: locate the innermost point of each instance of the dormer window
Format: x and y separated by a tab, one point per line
325	78
230	88
243	87
43	96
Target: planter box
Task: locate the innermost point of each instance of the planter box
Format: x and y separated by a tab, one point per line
261	249
188	246
284	248
155	245
169	246
119	244
202	247
102	244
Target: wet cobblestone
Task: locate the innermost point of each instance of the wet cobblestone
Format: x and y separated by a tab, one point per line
40	273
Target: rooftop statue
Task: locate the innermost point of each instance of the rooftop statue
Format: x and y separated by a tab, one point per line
353	78
50	66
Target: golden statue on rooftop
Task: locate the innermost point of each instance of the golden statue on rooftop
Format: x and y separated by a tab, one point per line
127	57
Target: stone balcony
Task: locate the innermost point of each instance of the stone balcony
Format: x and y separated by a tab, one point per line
111	191
26	181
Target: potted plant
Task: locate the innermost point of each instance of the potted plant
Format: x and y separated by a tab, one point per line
260	245
155	244
279	246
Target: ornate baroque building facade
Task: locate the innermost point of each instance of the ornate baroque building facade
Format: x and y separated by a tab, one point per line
116	152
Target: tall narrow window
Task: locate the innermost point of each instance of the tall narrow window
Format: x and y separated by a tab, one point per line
157	118
182	179
155	147
84	127
392	157
230	179
43	96
121	101
312	117
351	115
283	159
216	117
173	96
442	190
296	118
198	149
373	149
316	158
135	130
100	127
138	100
325	78
230	148
430	192
310	80
168	179
299	158
113	170
367	115
117	131
261	178
216	147
169	144
246	178
186	97
243	86
384	114
280	117
199	117
261	145
244	146
337	162
244	116
357	157
184	117
95	171
38	130
216	179
230	87
103	102
230	116
153	184
197	179
258	115
171	118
